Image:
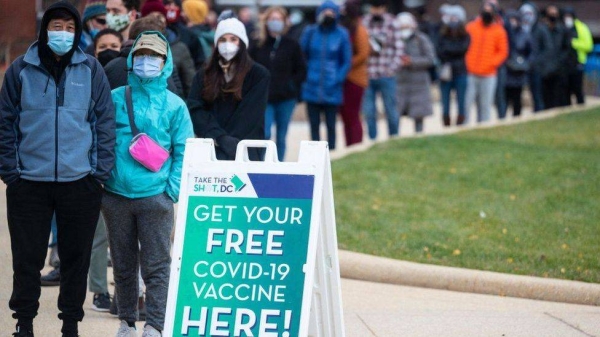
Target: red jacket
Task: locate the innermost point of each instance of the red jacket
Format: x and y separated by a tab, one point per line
488	48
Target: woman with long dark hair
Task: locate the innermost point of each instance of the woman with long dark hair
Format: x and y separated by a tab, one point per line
283	57
228	97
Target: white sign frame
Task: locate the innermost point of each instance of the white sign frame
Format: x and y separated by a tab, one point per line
321	313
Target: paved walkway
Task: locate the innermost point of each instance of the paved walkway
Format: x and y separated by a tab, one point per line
370	309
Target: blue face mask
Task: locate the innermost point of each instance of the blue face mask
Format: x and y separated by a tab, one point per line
275	26
94	32
60	41
146	66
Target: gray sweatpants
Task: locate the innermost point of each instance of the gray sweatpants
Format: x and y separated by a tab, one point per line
481	90
97	282
148	221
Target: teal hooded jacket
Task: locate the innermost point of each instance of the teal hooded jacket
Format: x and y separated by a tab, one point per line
164	117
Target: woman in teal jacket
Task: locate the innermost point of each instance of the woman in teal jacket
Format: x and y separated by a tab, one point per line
138	203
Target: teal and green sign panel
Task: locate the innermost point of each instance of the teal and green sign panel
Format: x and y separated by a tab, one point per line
244	250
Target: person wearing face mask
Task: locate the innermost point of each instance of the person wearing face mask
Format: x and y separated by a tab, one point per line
384	61
120	14
283	57
117	70
487	52
327	49
196	12
555	69
138	203
228	98
107	45
175	23
57	132
414	93
582	44
94	20
518	63
452	45
542	51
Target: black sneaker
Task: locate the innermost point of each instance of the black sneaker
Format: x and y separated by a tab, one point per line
101	302
70	334
52	278
23	331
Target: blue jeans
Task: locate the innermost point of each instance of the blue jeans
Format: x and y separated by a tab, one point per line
535	86
387	87
460	85
500	92
281	114
314	115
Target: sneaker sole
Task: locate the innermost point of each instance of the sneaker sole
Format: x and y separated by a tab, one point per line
95	308
50	284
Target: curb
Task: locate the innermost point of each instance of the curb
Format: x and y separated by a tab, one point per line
365	267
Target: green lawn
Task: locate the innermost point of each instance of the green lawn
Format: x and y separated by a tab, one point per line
521	199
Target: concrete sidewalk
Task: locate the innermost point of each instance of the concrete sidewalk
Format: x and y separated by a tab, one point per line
370	309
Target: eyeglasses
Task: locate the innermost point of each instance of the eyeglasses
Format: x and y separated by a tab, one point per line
100	21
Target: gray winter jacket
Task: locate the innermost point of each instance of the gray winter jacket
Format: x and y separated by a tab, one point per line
414	93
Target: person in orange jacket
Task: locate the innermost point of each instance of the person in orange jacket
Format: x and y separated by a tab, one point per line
487	52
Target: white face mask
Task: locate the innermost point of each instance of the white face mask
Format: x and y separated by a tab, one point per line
406	33
228	50
569	22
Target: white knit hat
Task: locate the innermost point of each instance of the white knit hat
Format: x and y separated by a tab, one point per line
231	26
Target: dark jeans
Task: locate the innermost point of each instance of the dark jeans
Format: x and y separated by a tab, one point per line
314	114
576	85
500	97
513	97
459	83
555	91
30	206
535	86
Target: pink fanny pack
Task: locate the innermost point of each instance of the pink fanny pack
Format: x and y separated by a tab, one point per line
142	148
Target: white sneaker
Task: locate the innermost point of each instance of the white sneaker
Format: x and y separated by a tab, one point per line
149	331
126	331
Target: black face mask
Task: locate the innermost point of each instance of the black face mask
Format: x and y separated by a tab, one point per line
328	21
377	18
552	19
106	56
487	17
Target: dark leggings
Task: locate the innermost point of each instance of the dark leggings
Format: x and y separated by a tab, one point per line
314	115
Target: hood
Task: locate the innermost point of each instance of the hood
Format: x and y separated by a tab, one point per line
570	10
43	33
527	9
159	82
329	5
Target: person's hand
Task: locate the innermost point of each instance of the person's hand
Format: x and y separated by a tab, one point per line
405	60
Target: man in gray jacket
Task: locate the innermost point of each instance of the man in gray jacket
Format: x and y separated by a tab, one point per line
57	137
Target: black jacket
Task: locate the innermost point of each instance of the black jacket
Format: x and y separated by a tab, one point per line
228	121
556	63
116	71
452	50
191	41
285	61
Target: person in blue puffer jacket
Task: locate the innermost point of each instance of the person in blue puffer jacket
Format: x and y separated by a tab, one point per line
138	203
327	48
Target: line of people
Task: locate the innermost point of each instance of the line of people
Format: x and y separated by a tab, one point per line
172	71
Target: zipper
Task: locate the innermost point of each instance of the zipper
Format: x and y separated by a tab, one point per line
56	134
323	53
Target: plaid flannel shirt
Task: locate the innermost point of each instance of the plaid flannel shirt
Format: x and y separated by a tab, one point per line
387	62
